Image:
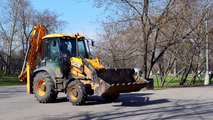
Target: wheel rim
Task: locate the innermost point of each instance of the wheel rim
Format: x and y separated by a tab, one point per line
41	87
74	93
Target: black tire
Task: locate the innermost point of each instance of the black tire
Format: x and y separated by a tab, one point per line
111	98
76	93
44	88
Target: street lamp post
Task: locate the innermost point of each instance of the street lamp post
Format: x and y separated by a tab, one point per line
206	81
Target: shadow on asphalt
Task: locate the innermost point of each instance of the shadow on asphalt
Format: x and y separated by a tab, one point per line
61	99
138	99
127	99
180	109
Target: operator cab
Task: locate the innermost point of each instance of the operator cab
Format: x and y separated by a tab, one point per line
57	49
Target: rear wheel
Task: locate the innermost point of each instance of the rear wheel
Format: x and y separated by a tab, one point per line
111	98
76	93
44	88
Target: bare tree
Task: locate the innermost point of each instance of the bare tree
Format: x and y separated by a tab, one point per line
17	20
165	27
26	15
152	29
8	27
50	20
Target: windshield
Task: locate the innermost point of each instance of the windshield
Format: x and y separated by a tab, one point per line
68	47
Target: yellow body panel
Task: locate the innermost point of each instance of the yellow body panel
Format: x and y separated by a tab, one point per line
96	64
60	35
77	36
78	67
55	35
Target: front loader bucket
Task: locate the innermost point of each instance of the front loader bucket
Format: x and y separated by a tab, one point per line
113	81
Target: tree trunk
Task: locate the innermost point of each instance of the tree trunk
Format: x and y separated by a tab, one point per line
1	66
144	20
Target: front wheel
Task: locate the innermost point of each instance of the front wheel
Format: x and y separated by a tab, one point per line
76	93
44	88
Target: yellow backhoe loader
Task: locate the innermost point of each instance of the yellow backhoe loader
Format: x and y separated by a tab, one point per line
60	63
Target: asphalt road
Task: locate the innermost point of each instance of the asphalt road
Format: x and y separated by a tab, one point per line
174	103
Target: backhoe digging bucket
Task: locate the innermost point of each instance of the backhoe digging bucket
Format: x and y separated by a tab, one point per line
113	81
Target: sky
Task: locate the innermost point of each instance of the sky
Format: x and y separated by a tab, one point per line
81	16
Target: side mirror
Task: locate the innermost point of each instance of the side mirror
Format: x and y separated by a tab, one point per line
93	43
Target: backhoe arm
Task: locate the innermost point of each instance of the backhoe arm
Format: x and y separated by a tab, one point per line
34	50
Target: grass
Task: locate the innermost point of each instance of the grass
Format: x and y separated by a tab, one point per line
176	80
9	80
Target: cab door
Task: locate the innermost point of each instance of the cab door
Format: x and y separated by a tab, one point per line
51	55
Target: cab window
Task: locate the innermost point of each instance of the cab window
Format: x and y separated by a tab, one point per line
52	50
